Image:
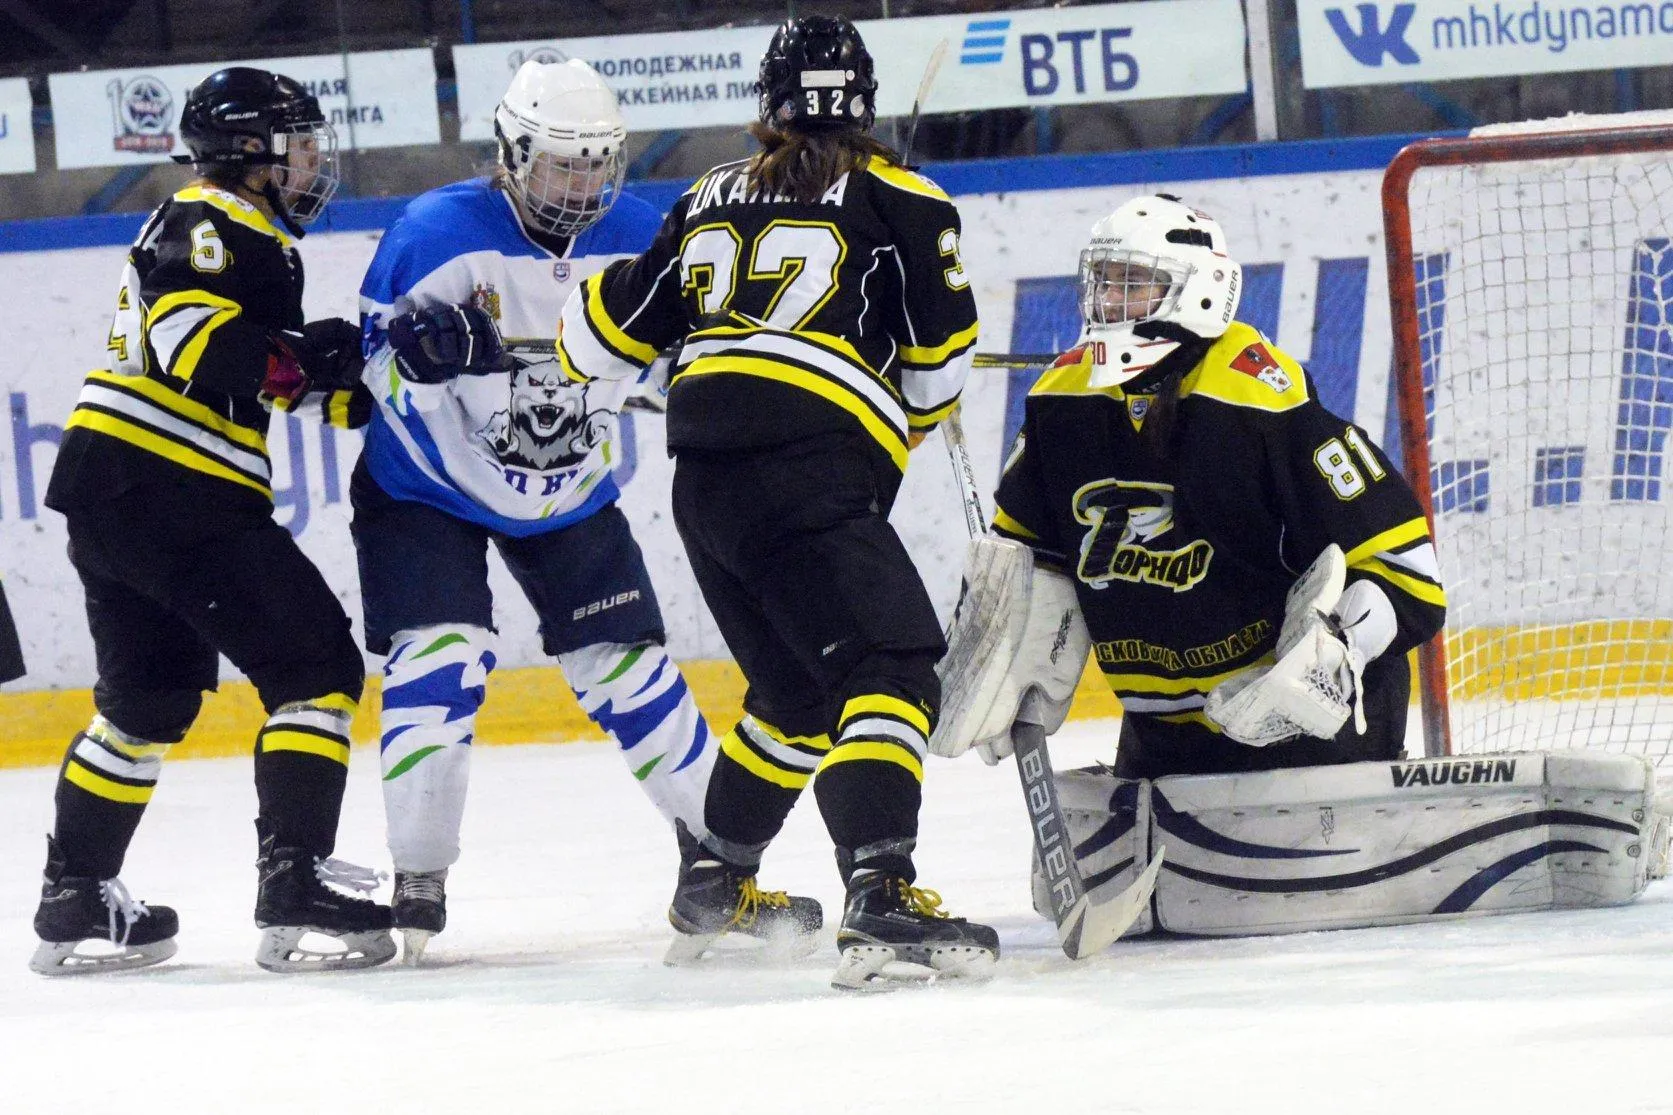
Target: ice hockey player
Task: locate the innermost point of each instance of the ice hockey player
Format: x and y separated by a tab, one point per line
466	449
1249	571
163	476
826	321
11	649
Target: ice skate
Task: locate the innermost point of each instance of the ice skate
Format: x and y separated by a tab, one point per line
418	910
293	899
892	931
713	898
81	910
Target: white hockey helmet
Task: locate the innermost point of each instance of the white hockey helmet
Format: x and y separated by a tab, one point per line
561	142
1158	260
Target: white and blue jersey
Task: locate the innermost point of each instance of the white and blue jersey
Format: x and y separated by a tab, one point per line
519	452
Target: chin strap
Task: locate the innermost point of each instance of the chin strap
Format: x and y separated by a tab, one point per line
274	199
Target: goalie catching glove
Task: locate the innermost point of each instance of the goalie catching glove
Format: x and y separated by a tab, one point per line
1015	653
1329	633
439	343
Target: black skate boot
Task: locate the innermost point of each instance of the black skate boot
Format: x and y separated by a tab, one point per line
713	897
892	930
419	910
292	899
81	909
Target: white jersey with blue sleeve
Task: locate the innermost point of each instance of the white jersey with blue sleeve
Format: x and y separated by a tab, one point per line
523	451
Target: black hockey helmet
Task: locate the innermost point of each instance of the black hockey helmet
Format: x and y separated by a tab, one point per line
817	73
246	117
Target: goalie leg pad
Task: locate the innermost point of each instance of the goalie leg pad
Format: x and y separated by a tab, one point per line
1108	819
1365	844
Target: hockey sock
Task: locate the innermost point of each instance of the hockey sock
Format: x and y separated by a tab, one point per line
434	682
103	787
638	695
302	765
760	773
870	786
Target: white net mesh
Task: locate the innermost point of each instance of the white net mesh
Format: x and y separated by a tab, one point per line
1544	294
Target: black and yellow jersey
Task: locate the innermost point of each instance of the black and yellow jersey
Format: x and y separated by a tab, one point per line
1183	547
208	282
852	313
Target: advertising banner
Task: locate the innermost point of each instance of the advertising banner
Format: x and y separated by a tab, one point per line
1100	52
383	98
1386	43
17	137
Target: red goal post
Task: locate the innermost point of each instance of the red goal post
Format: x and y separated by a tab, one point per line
1531	292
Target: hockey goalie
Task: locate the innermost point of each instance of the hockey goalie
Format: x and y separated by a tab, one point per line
1248	571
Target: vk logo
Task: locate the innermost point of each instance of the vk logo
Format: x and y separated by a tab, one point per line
1371	42
984	42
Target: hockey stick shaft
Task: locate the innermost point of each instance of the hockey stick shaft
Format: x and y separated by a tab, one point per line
931	68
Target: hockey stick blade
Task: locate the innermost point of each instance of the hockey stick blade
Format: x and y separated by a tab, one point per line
1094	928
1084	928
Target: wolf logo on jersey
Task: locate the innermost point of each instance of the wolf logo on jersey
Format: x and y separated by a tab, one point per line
547	425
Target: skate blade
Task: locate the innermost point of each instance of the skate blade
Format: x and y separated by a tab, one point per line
413	944
873	968
62	959
739	948
282	950
687	948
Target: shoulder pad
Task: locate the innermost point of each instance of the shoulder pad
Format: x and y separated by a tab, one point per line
234	208
908	180
1068	375
1244	369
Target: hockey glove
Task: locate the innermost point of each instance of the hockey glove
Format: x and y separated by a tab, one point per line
436	344
324	355
331	353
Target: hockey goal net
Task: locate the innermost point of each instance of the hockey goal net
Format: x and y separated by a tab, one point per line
1531	284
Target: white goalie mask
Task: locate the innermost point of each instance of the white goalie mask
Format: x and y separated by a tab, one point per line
561	140
1154	259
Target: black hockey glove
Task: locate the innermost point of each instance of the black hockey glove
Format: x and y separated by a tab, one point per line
436	344
331	354
324	355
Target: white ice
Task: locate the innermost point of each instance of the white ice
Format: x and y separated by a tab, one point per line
548	994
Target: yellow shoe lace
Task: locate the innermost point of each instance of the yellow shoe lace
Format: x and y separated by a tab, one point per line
922	901
750	900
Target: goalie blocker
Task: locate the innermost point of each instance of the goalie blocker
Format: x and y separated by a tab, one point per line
1364	844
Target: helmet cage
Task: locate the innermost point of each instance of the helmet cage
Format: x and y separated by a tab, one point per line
1107	301
305	168
560	194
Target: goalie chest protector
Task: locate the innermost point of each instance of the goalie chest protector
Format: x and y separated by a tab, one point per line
1185	521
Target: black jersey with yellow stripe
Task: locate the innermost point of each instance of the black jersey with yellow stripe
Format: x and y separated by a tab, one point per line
1184	543
208	282
852	313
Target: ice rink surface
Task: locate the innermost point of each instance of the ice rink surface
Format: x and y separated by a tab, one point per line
547	992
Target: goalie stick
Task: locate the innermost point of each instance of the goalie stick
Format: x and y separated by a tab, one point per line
1084	928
